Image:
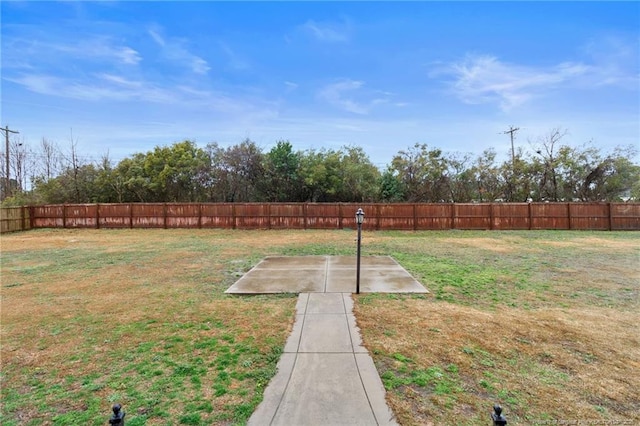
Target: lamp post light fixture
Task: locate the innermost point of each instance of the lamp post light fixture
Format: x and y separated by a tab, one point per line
359	220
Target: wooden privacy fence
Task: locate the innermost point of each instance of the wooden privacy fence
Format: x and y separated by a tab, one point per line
498	216
14	219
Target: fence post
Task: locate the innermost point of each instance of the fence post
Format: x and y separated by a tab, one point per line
453	215
569	215
610	218
233	215
530	217
97	215
304	215
164	215
415	217
491	218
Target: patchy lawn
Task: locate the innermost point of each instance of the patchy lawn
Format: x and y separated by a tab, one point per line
90	318
545	323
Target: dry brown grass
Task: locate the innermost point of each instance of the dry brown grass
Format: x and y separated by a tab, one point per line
91	317
563	348
554	363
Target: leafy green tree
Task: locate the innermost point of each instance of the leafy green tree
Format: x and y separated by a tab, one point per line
422	172
320	172
459	178
359	176
109	185
486	176
71	186
135	183
519	179
390	188
282	181
172	172
613	178
235	172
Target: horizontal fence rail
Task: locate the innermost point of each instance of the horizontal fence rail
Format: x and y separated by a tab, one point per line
402	216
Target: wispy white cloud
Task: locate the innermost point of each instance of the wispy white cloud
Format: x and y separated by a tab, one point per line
343	94
121	81
174	50
328	31
155	35
615	61
101	87
290	86
484	79
234	59
36	52
105	88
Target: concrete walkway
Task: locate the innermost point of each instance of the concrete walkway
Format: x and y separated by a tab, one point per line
325	376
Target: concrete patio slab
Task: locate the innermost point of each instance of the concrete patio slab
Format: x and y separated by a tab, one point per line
320	274
349	262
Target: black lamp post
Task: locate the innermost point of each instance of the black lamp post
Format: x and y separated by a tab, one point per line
359	220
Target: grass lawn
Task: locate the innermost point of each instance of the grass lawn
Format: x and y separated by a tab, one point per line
545	323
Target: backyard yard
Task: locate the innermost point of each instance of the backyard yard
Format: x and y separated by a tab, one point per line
543	322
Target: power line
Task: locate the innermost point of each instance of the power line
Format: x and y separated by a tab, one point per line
6	130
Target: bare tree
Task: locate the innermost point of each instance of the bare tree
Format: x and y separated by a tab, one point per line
73	165
50	154
19	159
546	147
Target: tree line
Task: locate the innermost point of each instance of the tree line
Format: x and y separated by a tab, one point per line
184	172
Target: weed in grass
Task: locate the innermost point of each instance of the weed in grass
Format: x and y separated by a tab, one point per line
137	421
220	389
512	398
190	419
486	385
439	381
242	412
401	358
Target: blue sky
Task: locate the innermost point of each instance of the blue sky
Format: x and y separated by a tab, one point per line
124	77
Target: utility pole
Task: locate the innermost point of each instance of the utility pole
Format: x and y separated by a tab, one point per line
7	188
511	131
